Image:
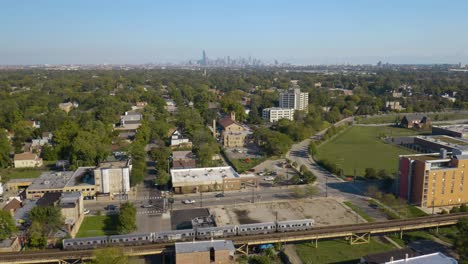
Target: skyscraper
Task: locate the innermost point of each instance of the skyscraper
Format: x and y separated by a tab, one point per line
204	59
294	99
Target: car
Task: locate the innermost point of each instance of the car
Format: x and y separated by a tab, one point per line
269	178
188	201
86	211
147	206
110	207
219	195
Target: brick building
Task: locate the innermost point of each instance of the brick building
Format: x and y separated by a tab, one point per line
205	252
432	180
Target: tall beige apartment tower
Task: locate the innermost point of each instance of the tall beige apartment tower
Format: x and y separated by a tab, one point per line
294	99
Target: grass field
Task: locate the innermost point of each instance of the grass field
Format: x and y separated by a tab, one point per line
359	211
391	118
361	147
338	251
409	237
101	225
242	165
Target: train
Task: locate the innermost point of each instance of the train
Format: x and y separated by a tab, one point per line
188	234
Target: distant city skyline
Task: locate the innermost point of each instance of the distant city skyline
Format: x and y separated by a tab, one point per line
298	31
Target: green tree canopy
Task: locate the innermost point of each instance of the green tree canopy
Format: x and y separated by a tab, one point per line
127	218
7	225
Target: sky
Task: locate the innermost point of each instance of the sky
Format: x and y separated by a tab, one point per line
174	31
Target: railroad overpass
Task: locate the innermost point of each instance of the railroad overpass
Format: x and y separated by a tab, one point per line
356	234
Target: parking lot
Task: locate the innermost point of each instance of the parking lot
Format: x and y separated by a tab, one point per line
324	211
270	169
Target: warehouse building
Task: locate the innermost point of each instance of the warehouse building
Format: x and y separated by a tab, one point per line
209	180
433	180
216	251
113	177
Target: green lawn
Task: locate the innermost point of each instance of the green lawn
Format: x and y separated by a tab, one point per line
409	237
98	226
391	118
361	147
338	251
21	173
242	165
359	211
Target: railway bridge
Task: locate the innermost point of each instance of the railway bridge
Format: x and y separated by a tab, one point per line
356	234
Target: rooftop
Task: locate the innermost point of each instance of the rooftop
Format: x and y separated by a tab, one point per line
211	175
462	128
25	156
183	154
49	199
118	164
52	180
203	246
386	256
435	258
82	176
453	143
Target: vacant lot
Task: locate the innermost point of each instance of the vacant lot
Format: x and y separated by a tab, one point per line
338	251
361	147
324	211
102	225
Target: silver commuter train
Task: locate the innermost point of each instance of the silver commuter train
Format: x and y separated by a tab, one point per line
189	234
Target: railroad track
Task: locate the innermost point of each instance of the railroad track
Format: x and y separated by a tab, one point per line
372	228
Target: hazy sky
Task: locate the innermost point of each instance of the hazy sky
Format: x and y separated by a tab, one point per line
303	32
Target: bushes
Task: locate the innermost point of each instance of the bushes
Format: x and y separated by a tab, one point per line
330	166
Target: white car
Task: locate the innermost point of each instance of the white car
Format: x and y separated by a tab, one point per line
269	178
188	201
86	211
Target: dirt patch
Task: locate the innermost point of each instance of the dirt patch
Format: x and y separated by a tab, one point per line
325	211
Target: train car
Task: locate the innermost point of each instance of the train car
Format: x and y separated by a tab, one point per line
186	234
260	228
132	239
85	243
214	232
295	225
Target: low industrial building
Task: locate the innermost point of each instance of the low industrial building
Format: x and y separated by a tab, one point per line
205	252
433	180
209	179
27	160
17	184
183	160
274	114
431	144
458	131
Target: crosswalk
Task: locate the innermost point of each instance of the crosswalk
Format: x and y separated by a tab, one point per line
151	198
150	212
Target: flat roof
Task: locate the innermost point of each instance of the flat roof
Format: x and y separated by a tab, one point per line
435	258
75	180
210	175
203	246
52	180
446	141
118	164
462	128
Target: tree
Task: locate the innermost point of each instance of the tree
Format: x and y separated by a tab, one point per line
109	256
5	150
49	218
461	241
36	238
127	218
312	149
370	173
7	225
163	178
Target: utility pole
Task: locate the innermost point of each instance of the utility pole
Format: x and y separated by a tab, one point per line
201	199
354	178
253	194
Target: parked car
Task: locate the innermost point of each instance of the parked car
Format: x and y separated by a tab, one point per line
86	211
188	201
110	207
219	195
147	206
269	178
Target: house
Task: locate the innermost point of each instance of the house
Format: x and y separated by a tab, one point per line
131	121
45	139
27	160
12	206
183	160
233	133
178	140
201	252
34	124
415	120
394	105
68	106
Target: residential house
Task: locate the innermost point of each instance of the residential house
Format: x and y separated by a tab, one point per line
415	120
12	206
233	133
45	139
179	141
27	160
394	105
68	106
34	124
131	121
183	160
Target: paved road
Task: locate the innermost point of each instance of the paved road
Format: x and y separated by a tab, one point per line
328	184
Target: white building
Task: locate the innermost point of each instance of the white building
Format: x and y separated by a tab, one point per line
177	139
274	114
113	177
294	99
